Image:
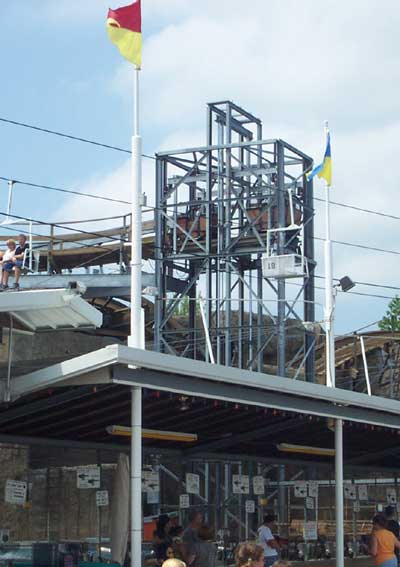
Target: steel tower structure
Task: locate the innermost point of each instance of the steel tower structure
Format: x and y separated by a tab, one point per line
216	208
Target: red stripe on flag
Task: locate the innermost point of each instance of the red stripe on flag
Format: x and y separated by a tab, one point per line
128	17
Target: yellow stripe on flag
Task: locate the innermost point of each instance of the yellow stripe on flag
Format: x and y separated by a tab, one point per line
128	42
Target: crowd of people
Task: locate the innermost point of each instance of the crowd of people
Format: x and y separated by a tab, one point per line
194	546
11	261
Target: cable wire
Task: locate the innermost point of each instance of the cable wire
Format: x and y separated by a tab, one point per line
70	191
70	137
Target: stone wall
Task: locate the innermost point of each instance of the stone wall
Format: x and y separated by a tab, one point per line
56	508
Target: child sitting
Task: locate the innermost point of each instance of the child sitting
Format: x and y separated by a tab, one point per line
7	263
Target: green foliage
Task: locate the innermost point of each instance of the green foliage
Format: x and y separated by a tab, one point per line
391	321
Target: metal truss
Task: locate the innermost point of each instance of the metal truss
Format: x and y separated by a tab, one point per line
214	207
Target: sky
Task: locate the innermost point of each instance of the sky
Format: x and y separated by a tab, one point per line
292	63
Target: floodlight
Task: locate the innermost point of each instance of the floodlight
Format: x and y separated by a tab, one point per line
346	283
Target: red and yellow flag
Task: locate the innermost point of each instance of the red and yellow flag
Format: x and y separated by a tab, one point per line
124	26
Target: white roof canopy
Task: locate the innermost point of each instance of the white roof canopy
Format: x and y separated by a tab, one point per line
55	309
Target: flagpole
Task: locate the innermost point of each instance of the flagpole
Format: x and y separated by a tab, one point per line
329	291
330	297
136	338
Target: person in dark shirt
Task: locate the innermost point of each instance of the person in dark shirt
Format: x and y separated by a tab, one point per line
161	538
393	526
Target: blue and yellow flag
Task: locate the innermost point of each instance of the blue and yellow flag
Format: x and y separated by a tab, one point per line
324	169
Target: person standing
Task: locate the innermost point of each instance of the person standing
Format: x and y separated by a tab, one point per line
190	535
205	550
161	539
249	555
393	526
173	563
383	543
267	541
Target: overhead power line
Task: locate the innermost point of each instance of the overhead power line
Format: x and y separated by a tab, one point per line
70	191
69	136
360	209
124	150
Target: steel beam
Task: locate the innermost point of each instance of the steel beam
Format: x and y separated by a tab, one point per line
172	371
272	429
192	386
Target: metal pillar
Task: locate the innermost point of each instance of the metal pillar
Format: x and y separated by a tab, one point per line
136	476
309	287
339	514
282	504
280	198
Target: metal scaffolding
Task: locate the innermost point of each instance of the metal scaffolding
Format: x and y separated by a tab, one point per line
219	210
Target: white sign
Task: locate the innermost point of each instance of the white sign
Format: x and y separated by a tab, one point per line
15	492
184	501
250	506
310	531
300	489
309	503
363	492
391	495
150	481
102	498
313	489
356	506
88	477
153	497
258	485
350	491
192	483
241	484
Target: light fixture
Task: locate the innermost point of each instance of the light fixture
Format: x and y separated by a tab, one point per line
123	431
346	283
305	449
184	400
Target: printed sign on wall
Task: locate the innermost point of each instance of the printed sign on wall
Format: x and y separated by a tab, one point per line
88	477
15	492
258	485
241	484
192	483
300	489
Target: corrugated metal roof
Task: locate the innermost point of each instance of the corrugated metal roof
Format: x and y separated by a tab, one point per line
50	309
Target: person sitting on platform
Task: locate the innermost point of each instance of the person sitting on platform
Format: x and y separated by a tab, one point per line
16	262
7	263
249	555
19	256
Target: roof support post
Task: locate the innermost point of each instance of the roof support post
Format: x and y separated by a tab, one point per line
339	493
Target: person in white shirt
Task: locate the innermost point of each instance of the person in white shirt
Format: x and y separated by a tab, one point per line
7	263
267	541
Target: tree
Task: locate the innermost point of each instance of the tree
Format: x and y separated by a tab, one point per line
391	321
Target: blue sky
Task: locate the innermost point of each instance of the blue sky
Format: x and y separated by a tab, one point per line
293	63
